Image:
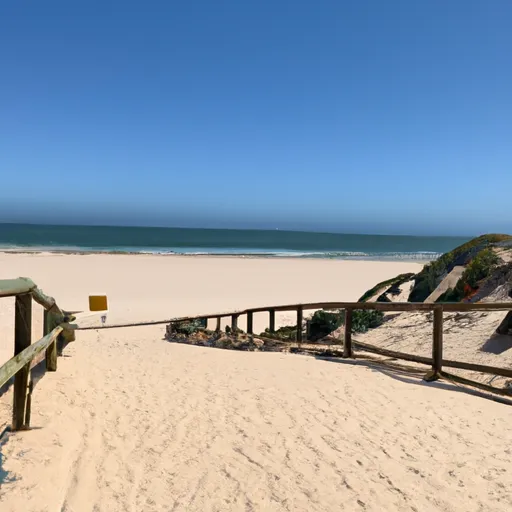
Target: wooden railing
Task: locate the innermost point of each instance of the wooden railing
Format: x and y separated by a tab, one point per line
55	327
436	361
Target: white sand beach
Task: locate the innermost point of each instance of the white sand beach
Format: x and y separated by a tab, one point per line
131	422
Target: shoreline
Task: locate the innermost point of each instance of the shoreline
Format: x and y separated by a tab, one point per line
284	255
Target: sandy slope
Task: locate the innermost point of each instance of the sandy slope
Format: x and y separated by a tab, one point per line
149	287
468	337
142	424
131	422
450	281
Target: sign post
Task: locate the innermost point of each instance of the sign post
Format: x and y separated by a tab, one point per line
99	303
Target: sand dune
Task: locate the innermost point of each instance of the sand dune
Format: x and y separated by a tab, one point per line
130	422
469	337
450	281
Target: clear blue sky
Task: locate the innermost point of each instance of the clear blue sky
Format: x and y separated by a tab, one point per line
351	116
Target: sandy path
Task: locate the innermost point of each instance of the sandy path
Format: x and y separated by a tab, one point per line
205	429
152	287
130	422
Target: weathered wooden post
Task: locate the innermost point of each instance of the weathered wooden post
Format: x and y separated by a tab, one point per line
28	408
45	322
22	340
249	322
272	320
347	341
437	346
49	323
506	325
217	329
234	324
299	324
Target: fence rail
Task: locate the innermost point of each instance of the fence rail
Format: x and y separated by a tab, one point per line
271	310
55	326
437	362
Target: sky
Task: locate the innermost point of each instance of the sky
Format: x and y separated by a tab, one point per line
353	116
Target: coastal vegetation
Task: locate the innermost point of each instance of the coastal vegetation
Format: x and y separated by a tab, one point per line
480	260
363	320
479	268
188	327
391	286
432	274
323	323
285	333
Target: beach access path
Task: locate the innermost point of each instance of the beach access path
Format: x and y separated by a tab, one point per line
131	422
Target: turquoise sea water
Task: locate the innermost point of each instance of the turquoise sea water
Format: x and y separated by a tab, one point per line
222	241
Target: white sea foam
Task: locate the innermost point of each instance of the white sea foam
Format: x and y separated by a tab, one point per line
244	252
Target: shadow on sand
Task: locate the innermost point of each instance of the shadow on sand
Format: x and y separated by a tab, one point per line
497	344
5	477
38	371
414	376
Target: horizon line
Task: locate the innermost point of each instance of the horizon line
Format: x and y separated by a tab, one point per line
234	229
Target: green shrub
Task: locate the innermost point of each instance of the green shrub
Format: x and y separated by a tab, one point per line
432	274
362	320
481	267
451	295
394	282
188	327
229	330
394	289
323	323
286	333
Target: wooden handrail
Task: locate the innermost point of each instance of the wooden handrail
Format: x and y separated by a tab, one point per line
392	353
56	323
22	285
494	370
11	367
449	307
12	287
45	301
436	361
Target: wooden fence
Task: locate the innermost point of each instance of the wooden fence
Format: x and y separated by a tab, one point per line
55	327
436	361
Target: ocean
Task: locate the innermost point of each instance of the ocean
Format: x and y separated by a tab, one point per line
31	237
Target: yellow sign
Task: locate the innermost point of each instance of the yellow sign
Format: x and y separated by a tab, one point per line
98	303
